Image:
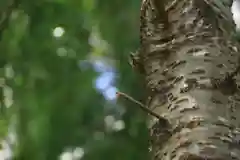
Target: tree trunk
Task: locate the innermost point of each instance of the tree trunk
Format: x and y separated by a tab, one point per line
190	60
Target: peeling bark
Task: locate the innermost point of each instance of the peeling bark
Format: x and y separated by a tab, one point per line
186	49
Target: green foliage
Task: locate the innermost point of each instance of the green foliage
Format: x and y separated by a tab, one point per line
55	101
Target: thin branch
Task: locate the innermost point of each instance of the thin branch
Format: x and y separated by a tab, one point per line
142	106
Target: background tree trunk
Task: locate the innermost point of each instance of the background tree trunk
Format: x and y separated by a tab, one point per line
188	55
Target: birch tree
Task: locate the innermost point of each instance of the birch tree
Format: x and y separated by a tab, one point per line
190	61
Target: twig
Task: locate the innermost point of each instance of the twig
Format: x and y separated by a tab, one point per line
142	106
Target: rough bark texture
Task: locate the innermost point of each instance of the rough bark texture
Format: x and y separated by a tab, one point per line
187	52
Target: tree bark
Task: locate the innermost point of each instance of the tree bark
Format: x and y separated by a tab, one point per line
189	59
